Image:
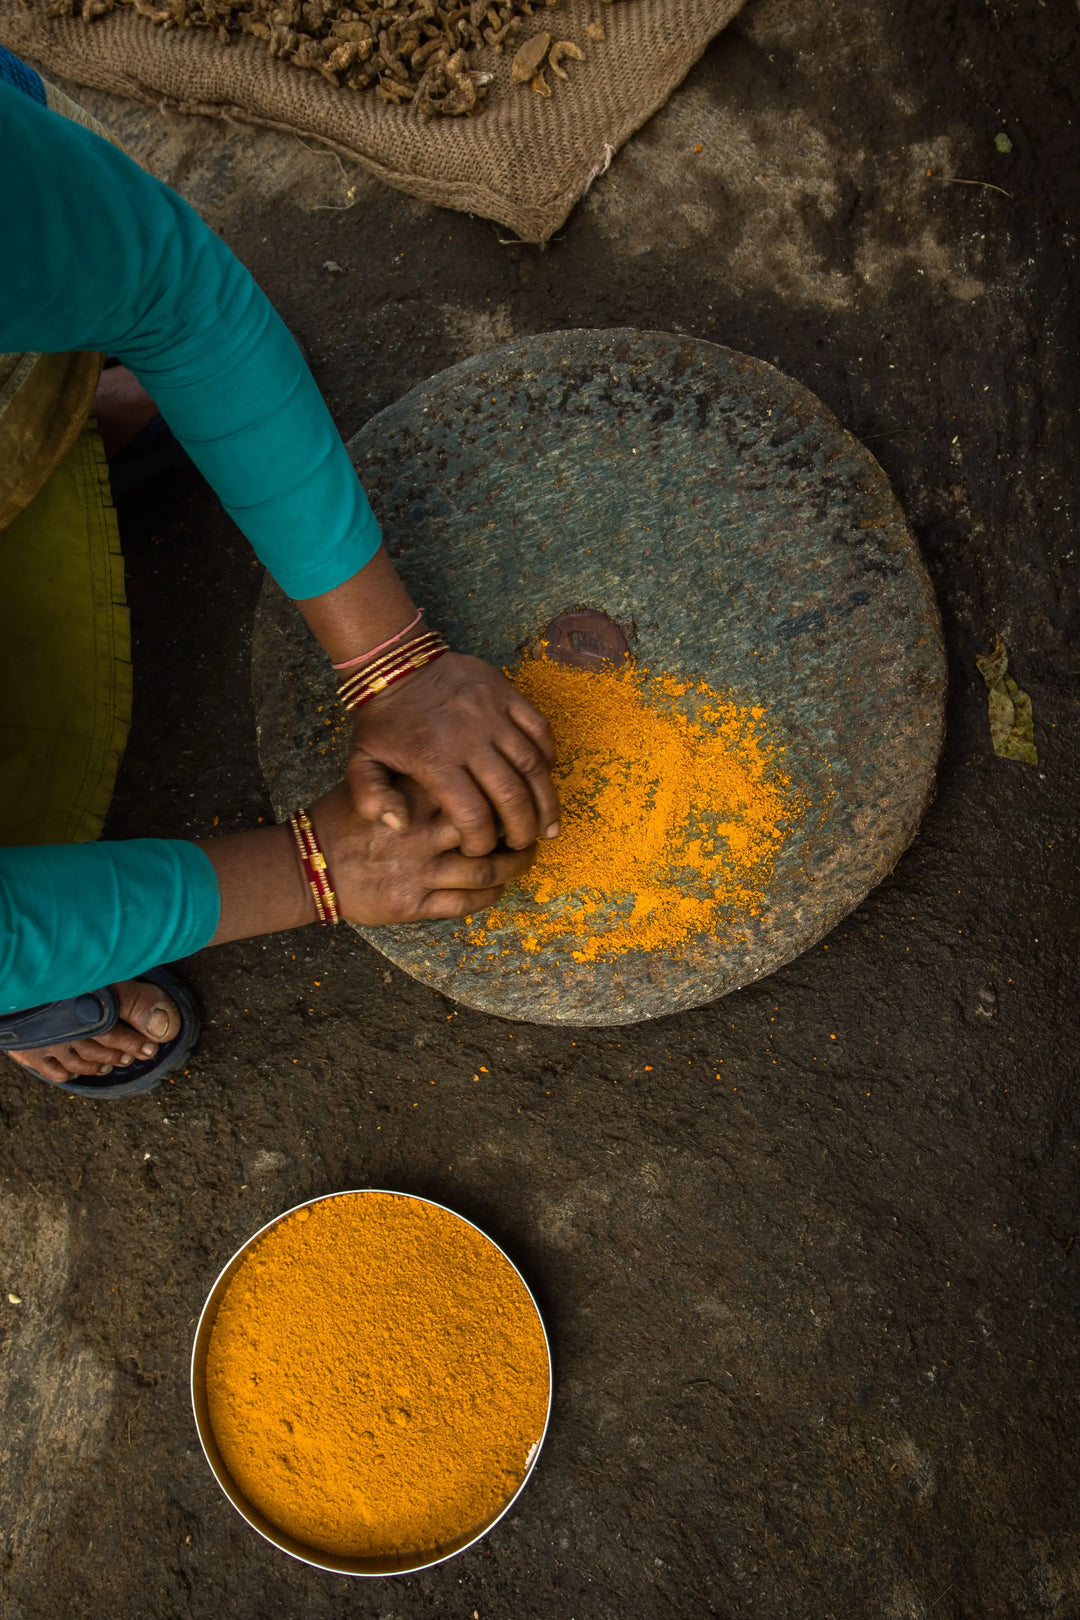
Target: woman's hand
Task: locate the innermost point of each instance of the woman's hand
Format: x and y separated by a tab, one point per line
382	875
469	738
456	726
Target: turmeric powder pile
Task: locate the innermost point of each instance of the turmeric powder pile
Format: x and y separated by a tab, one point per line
675	804
377	1377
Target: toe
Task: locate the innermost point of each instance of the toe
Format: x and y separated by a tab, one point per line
150	1012
56	1063
44	1063
98	1052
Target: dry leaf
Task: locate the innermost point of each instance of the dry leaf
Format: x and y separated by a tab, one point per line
1012	726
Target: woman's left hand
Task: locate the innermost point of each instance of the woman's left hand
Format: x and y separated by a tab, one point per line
460	730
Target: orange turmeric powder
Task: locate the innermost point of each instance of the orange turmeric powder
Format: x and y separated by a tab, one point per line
377	1376
675	805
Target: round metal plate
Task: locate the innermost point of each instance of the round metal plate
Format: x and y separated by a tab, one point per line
720	516
422	1558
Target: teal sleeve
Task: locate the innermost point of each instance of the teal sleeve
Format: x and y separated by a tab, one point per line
98	255
74	917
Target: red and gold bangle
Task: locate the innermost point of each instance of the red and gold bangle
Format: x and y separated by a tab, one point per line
391	660
369	683
390	676
313	865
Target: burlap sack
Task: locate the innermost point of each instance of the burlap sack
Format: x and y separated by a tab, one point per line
525	161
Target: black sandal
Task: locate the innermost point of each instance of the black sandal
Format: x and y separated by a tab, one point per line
83	1017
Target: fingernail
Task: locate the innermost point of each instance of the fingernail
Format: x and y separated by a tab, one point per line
106	1068
157	1024
147	1050
553	830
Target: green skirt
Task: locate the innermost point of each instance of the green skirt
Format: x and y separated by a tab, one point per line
65	656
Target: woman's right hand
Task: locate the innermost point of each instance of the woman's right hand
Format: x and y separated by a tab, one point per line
382	876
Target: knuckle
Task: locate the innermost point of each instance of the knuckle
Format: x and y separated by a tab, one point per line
538	726
523	756
472	818
515	797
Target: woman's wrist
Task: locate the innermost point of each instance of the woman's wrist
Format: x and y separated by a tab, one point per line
260	882
359	615
372	676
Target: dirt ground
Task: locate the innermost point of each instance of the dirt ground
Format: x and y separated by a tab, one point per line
815	1329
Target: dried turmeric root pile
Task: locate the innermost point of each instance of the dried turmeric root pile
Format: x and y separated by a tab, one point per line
416	52
675	805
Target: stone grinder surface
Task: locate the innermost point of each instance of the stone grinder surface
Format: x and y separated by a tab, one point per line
720	516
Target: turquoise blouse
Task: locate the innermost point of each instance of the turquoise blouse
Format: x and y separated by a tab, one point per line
98	255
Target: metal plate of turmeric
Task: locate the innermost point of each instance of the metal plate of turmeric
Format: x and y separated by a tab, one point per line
767	748
371	1382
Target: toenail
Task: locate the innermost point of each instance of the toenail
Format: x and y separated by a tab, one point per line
148	1050
124	1061
157	1024
106	1068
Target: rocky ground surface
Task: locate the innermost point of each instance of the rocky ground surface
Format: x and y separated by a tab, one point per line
815	1329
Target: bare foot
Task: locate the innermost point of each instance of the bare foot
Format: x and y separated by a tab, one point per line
148	1017
122	408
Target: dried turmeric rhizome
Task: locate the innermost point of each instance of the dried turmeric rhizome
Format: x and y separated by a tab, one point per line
377	1376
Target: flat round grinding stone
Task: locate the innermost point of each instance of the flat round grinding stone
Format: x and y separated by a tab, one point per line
736	534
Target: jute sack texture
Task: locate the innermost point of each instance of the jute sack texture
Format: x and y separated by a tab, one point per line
524	161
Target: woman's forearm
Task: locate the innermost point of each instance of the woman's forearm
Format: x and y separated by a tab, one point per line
260	883
76	916
365	611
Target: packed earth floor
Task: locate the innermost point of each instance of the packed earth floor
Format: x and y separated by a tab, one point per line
808	1255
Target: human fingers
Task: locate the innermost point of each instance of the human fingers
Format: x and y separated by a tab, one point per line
441	833
532	765
509	794
373	794
458	795
443	903
533	724
494	871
